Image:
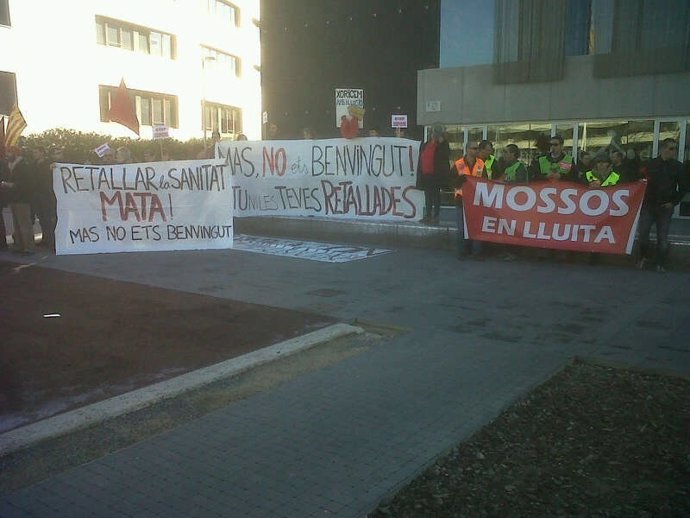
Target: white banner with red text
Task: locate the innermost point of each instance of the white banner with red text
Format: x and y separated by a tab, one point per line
370	178
558	215
154	206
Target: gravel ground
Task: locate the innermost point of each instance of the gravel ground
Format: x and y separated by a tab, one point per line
592	441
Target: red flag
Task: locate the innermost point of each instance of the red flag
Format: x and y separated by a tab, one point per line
2	138
122	109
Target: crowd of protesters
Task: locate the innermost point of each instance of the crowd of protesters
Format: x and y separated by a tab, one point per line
667	182
26	182
26	185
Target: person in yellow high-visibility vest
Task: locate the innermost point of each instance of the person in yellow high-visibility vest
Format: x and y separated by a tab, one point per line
556	164
486	153
602	175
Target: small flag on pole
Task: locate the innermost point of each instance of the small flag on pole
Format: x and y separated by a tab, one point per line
122	109
15	125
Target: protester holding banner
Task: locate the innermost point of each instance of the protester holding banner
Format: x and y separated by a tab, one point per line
20	189
486	153
469	165
556	164
43	197
602	175
667	183
433	170
514	171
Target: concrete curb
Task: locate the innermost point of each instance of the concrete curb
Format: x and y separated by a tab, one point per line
62	424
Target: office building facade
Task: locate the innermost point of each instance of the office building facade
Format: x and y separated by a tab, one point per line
604	74
191	65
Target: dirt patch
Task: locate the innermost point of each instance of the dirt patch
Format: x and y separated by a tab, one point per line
592	441
106	337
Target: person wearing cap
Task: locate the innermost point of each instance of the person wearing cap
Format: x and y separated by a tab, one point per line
556	164
433	170
667	183
602	175
468	165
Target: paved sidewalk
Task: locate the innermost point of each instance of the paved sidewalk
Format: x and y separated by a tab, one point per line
335	441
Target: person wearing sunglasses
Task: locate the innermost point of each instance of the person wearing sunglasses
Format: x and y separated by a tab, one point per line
667	183
556	164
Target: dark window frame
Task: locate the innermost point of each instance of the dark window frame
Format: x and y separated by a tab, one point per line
222	117
213	8
169	106
210	51
139	35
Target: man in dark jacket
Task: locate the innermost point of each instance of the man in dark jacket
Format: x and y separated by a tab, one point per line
667	183
20	189
433	170
4	176
43	197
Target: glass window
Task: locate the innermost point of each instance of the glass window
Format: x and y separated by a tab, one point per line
100	33
157	111
4	13
127	41
113	36
631	137
578	16
134	38
167	46
151	107
143	43
226	119
104	103
155	43
145	107
167	111
475	134
220	60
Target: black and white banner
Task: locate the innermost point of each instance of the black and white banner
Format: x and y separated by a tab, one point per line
143	207
369	178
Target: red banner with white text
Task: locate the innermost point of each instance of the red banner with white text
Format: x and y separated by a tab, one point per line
559	215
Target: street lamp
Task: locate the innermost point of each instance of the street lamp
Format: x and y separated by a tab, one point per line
204	61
